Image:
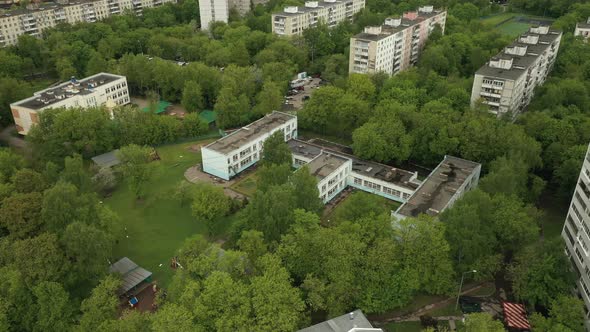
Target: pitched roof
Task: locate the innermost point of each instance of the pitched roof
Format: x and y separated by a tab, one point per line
132	273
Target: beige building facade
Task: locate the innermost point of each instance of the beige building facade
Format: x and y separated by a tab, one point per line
93	91
294	20
506	83
396	45
33	21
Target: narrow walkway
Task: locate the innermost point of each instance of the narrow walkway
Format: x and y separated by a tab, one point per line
415	316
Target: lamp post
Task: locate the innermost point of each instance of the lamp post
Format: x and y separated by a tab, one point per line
461	286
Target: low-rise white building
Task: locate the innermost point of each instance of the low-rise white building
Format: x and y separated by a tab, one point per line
230	155
92	91
386	181
448	182
507	82
335	168
38	17
583	29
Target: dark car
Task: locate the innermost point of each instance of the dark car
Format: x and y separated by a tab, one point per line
306	97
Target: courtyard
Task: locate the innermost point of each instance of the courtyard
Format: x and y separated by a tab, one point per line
156	226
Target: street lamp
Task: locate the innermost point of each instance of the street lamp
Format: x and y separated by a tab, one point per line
461	286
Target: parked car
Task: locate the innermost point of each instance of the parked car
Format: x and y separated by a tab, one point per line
306	97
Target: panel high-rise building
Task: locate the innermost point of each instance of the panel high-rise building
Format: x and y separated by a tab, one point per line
395	45
294	20
38	17
506	83
576	233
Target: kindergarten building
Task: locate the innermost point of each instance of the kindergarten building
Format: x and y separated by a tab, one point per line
336	170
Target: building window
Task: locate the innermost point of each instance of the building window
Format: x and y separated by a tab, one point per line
579	254
358	181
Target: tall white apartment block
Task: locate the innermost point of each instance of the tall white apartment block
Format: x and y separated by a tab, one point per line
232	154
36	18
293	20
213	11
396	45
507	82
576	234
92	91
583	29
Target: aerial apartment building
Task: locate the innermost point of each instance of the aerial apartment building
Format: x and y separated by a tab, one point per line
293	20
576	234
395	45
38	17
93	91
335	169
583	29
213	11
218	10
506	83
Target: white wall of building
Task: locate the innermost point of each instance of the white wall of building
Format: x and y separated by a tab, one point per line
380	187
213	11
576	233
230	164
333	184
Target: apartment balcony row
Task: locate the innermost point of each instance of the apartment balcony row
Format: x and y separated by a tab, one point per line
490	94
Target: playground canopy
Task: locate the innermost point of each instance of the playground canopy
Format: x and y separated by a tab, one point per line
515	316
108	159
132	273
208	116
161	107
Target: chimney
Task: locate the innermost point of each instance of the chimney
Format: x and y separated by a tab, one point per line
351	315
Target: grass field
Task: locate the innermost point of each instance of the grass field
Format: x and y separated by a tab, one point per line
247	185
403	327
513	28
157	225
378	205
509	23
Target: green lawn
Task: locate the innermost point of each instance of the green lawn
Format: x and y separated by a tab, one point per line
246	185
371	202
494	20
403	327
157	225
513	28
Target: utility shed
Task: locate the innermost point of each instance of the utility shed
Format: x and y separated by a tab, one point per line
108	159
351	322
133	274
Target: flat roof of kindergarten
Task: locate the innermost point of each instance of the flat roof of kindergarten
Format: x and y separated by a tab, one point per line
66	90
436	191
325	164
371	169
249	133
